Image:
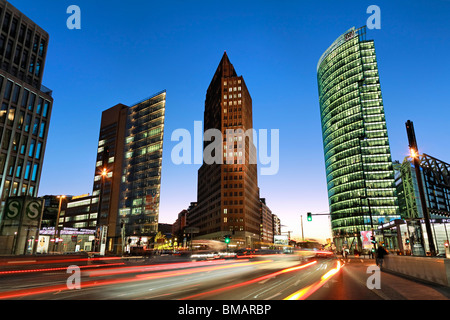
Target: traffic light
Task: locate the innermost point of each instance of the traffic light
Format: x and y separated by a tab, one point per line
407	241
309	216
372	239
227	239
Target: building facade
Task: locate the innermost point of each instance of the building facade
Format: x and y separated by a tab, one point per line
359	169
228	193
267	226
141	176
108	171
26	105
123	209
436	181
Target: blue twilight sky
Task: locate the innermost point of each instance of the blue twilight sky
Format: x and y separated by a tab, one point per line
126	51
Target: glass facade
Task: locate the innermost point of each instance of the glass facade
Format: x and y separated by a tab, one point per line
141	179
359	169
25	104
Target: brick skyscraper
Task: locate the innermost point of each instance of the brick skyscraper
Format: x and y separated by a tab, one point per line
228	193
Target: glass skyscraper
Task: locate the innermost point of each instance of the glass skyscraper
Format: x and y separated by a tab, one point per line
141	175
359	169
26	105
128	172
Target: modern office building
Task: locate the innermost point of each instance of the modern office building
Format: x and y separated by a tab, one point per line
266	231
228	193
128	172
26	105
359	169
124	205
141	176
108	170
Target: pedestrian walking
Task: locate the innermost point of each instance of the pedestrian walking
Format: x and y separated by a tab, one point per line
381	252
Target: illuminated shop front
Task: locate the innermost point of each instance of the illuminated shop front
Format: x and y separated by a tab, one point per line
410	237
65	240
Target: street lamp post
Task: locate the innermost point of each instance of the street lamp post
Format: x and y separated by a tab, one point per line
104	173
56	234
415	156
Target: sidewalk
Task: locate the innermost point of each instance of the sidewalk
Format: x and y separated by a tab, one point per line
394	286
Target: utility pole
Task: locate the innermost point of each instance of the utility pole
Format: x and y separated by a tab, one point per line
301	220
415	156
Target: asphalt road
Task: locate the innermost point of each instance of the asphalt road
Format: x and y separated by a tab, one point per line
271	277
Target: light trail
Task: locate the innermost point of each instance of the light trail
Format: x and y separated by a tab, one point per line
308	291
271	275
21	262
156	267
59	269
97	283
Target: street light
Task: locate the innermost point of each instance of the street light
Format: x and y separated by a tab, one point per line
56	235
104	173
414	150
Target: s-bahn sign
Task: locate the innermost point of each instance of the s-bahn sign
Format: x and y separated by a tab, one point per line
13	208
23	208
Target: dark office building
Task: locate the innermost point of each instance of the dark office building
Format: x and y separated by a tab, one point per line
26	104
228	193
110	157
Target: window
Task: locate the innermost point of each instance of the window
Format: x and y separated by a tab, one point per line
42	129
6	138
35	172
27	170
11	116
19	169
8	89
25	97
12	162
41	48
38	150
31	152
31	102
16	92
6	21
24	62
2	162
8	50
23	146
27	122
39	105
37	72
35	126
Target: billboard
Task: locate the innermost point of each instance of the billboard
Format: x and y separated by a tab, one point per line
281	240
366	239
